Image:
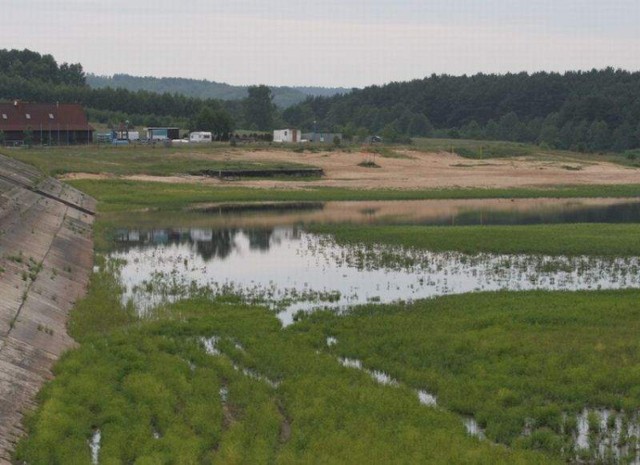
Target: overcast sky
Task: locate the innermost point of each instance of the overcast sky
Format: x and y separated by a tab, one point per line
347	43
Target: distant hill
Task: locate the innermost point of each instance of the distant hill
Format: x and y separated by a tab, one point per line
283	97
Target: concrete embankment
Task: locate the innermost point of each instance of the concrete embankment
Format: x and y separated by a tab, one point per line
46	256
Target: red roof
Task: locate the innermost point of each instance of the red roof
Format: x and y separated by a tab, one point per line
21	116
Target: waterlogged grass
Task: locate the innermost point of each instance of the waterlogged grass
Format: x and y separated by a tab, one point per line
120	195
551	239
508	359
261	395
140	159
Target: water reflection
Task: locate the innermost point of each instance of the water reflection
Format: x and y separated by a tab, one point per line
294	270
428	212
209	244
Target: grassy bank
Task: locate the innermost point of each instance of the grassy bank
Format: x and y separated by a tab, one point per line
119	195
140	159
261	395
509	359
548	239
490	149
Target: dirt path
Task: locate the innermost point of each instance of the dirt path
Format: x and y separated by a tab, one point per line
415	170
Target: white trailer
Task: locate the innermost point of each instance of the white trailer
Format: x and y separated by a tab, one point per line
134	135
200	136
287	135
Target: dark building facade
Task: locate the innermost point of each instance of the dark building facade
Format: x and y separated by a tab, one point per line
44	123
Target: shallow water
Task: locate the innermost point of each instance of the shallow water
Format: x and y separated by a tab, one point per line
94	444
265	255
294	271
252	215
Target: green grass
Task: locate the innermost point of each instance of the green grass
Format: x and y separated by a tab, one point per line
134	379
553	239
503	357
485	149
141	159
121	195
476	149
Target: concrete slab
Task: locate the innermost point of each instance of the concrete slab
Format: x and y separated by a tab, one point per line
46	257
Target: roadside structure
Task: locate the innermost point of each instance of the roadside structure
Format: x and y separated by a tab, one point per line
44	123
287	136
322	137
162	133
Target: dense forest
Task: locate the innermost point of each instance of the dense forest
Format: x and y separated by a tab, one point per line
587	111
597	110
283	97
29	76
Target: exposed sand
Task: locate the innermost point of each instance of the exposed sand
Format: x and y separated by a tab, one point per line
414	170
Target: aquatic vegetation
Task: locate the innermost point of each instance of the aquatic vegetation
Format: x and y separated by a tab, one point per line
524	365
118	195
551	239
291	271
156	394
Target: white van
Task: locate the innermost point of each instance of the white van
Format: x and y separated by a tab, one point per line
200	136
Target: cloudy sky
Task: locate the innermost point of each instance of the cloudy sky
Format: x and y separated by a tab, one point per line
349	43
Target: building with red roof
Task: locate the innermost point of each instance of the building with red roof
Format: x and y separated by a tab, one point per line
44	123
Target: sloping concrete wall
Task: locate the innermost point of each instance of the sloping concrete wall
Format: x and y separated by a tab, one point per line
46	256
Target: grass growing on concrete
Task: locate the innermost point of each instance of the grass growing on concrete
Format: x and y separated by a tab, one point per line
548	239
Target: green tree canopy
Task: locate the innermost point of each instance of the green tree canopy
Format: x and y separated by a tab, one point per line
259	108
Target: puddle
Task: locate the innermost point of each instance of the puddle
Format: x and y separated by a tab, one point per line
606	435
210	345
249	373
293	270
473	428
94	444
224	394
427	399
350	363
379	376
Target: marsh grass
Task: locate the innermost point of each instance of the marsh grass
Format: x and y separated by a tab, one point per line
157	396
552	239
509	359
119	195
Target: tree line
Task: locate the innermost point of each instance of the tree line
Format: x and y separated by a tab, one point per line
596	110
30	76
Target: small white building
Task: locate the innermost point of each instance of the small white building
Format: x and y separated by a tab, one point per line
287	135
200	136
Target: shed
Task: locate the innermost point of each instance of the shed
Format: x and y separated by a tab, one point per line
287	135
162	133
